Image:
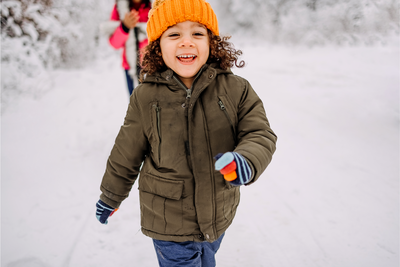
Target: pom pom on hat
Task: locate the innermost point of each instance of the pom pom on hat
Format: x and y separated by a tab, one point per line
166	13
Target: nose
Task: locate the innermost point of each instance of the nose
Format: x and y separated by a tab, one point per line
186	42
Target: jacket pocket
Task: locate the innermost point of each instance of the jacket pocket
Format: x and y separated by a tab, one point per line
161	204
231	202
226	108
171	189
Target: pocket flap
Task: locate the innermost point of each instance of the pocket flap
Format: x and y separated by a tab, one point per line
171	189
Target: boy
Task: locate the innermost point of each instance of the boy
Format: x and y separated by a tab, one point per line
189	110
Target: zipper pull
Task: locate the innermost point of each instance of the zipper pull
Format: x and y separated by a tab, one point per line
221	105
188	93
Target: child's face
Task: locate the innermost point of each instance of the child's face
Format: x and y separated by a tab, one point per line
185	49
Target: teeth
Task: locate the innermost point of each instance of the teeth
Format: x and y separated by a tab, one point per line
186	56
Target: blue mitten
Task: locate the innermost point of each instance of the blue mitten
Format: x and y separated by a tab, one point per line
234	167
104	211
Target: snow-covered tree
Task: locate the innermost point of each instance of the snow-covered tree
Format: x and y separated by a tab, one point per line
40	35
310	22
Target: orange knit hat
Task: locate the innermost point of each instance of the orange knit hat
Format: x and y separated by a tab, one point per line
166	13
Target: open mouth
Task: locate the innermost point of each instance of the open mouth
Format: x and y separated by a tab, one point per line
186	58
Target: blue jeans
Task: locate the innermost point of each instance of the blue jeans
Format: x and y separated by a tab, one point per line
193	254
129	82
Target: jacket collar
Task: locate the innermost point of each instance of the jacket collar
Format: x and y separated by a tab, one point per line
208	72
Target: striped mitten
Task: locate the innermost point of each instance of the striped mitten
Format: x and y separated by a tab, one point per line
234	167
104	211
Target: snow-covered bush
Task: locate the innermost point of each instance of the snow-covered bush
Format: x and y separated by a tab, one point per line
41	35
310	22
23	27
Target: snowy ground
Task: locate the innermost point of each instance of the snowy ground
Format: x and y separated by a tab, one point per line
330	198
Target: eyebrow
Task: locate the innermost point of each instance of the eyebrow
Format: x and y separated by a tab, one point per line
196	25
200	25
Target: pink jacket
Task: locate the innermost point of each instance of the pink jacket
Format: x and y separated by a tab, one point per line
119	37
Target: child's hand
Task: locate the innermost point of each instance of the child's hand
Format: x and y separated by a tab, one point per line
234	167
104	211
131	19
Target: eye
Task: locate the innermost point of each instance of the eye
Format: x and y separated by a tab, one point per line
198	34
173	35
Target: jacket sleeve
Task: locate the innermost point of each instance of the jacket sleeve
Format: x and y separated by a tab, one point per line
119	36
256	140
126	157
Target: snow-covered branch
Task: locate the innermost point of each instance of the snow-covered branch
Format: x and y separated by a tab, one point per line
41	35
310	22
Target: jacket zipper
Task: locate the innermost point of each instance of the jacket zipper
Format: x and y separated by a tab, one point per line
189	91
212	176
223	108
187	100
187	145
157	109
188	96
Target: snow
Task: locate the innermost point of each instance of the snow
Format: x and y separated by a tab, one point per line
309	22
329	197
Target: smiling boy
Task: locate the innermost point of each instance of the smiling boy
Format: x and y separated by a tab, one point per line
189	109
185	49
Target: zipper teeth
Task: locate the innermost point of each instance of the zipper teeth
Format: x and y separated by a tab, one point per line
158	122
188	96
189	90
212	174
158	131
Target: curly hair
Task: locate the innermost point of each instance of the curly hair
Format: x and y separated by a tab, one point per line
222	52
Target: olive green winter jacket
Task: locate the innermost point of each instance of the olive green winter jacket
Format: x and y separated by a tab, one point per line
175	132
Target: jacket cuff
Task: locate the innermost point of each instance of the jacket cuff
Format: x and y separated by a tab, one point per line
124	28
112	203
252	172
